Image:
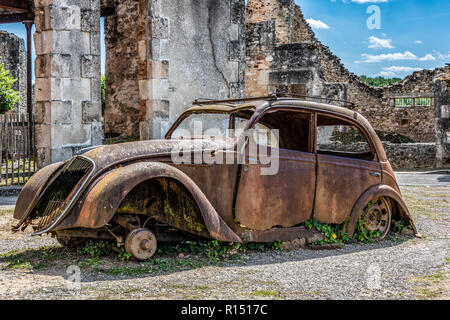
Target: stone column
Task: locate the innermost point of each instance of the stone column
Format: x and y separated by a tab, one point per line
68	85
442	104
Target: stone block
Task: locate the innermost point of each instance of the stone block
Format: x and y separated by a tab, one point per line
74	89
42	89
96	133
61	154
95	43
91	111
143	89
42	112
42	66
96	90
43	42
160	28
90	66
42	135
90	20
65	18
61	112
71	136
160	69
61	66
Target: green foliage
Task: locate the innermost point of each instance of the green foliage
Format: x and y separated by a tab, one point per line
123	255
8	96
103	94
379	81
333	233
95	249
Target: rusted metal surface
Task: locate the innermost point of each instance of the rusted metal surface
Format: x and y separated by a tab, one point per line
285	199
340	182
32	189
99	205
228	202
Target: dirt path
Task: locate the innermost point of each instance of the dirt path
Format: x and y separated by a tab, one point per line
399	268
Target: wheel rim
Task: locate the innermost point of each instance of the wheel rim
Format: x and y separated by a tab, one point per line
376	217
141	244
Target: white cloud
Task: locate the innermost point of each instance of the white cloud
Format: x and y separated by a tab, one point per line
387	74
317	24
395	70
418	42
441	56
369	58
377	43
401	69
428	57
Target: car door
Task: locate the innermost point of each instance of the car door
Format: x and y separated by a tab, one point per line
286	197
346	167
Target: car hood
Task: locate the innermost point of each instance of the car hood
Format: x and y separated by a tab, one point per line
104	156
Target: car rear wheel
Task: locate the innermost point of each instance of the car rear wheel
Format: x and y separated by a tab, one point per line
375	219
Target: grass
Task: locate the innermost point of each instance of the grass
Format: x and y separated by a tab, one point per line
265	293
31	259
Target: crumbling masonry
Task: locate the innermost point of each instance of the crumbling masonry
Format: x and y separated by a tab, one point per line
12	55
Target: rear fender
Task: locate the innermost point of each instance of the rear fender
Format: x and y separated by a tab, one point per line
102	199
372	193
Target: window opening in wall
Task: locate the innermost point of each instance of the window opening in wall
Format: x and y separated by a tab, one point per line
403	102
422	102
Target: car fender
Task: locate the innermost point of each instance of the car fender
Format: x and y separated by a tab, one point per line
371	193
29	195
101	200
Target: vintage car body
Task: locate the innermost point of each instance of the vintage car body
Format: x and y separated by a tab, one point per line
135	193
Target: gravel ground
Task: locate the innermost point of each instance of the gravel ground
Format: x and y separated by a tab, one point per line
398	268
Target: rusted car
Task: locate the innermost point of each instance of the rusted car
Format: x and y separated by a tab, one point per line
330	166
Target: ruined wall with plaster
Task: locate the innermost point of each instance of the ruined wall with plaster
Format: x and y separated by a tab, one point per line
13	56
283	55
162	55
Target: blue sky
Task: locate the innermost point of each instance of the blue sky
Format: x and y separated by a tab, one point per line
413	34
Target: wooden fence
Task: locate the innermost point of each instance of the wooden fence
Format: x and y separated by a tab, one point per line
16	149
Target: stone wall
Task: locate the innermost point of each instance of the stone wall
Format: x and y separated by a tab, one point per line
13	56
122	70
411	155
442	90
67	86
162	55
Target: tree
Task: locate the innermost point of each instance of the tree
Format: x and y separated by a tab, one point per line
379	81
103	94
8	96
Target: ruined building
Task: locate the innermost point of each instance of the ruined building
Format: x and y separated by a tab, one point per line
163	54
12	55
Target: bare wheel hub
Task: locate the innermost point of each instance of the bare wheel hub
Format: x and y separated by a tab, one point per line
141	243
377	217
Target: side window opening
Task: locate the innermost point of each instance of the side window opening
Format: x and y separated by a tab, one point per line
340	138
293	130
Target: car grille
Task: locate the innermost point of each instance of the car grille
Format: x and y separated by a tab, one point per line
61	194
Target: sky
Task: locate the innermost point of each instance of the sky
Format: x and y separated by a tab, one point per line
412	34
409	35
